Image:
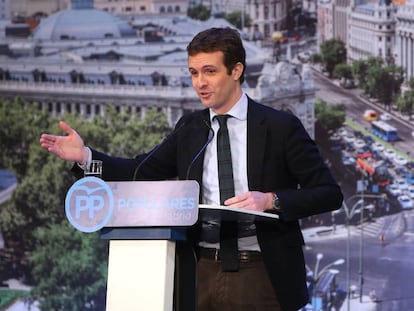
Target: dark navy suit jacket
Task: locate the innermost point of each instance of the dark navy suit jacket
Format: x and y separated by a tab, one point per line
281	157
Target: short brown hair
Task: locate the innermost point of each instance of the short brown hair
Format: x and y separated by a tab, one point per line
226	40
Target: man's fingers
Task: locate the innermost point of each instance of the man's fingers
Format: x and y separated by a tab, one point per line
65	127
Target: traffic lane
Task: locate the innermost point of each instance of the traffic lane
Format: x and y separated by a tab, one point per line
355	106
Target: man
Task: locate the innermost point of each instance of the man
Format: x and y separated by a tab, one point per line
275	165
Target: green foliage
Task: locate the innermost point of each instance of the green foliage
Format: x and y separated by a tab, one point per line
329	117
383	82
333	53
405	103
7	297
410	84
234	18
316	58
69	267
343	71
360	69
20	125
199	12
76	268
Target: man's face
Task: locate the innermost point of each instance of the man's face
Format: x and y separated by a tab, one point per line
214	86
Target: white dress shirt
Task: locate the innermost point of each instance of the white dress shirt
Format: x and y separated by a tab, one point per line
237	127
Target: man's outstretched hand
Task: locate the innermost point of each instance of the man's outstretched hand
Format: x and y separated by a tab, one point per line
69	147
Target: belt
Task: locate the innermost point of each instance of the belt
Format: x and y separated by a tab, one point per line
244	256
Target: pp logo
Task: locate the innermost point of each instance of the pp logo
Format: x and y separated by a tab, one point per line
89	204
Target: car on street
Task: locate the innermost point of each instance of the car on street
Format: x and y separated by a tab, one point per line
370	115
389	153
399	160
385	117
348	160
410	192
377	146
393	190
405	202
342	132
349	138
359	143
401	184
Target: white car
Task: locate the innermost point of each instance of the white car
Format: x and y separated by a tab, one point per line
359	143
394	190
348	160
389	153
405	202
410	192
349	138
399	160
377	146
385	117
342	132
401	184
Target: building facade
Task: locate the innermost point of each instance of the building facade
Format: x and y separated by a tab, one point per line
138	7
405	38
267	15
85	75
31	7
372	31
340	19
5	13
325	22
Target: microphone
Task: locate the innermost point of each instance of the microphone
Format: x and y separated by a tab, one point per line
149	155
209	139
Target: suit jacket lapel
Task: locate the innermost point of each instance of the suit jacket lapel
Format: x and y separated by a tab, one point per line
198	137
256	144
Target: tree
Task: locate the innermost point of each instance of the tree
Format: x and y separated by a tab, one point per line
68	267
333	53
329	118
343	72
360	68
234	18
384	82
316	58
20	124
199	12
405	102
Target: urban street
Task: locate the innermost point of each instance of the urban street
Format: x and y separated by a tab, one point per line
380	252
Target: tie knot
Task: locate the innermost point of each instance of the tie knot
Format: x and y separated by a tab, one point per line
222	119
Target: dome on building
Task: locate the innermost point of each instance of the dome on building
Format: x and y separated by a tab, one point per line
77	24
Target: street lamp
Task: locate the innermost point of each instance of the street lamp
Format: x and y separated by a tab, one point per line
349	213
316	274
319	257
337	262
276	37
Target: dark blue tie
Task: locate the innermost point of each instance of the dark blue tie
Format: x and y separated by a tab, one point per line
228	229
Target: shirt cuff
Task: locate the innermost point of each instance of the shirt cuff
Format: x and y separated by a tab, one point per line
85	165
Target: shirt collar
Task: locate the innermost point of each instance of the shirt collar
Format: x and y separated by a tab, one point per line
238	111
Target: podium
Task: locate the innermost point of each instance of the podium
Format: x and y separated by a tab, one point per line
150	266
141	268
145	223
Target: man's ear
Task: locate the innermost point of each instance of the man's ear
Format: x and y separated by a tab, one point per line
237	71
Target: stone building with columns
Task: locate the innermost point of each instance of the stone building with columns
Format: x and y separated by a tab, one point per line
372	31
61	70
405	38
